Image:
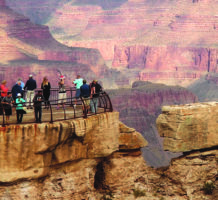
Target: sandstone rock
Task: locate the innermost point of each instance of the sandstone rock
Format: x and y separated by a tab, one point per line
131	141
189	127
125	129
52	144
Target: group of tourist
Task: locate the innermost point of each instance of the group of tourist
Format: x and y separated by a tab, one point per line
16	96
84	91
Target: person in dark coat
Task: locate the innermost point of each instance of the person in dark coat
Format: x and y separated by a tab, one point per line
16	89
7	101
96	89
45	86
37	100
30	86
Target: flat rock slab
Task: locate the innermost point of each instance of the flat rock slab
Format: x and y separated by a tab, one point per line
189	127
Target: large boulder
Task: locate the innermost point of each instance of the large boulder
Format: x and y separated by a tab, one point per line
189	127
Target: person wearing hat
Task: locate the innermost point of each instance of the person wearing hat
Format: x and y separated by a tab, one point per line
37	100
4	89
7	101
95	92
30	86
19	108
78	82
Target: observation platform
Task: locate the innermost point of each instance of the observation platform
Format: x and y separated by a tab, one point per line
52	114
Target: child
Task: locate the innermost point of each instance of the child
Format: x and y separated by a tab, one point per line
8	100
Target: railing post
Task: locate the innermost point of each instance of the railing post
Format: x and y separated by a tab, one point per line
3	114
111	106
104	101
71	97
51	121
64	106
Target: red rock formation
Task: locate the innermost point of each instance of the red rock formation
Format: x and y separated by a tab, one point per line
164	41
172	42
167	64
29	48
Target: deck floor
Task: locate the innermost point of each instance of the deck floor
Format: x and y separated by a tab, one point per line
58	115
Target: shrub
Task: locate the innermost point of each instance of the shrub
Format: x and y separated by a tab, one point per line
208	187
138	193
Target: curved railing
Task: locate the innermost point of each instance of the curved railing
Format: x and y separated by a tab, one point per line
52	114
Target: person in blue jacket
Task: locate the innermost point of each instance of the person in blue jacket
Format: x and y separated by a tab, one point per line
85	92
16	89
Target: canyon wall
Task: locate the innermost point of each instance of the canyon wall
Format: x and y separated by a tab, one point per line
141	107
206	88
172	42
169	65
100	158
29	48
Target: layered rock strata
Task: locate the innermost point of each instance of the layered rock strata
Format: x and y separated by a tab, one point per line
166	64
189	127
28	48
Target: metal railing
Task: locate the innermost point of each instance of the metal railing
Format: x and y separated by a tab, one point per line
66	111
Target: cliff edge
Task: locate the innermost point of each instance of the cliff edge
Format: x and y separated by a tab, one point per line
100	158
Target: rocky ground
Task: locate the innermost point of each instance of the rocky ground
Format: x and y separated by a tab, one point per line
100	158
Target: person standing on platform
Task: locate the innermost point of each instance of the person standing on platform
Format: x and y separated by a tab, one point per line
16	89
78	82
19	108
4	89
7	101
85	94
95	92
62	95
30	86
45	86
37	100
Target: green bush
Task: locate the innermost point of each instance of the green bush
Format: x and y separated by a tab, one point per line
138	193
208	187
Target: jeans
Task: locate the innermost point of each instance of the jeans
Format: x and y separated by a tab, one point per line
38	113
94	105
19	116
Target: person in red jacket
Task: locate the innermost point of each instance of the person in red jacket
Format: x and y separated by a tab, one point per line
4	89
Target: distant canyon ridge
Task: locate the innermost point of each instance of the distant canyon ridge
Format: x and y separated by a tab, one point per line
172	42
29	48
